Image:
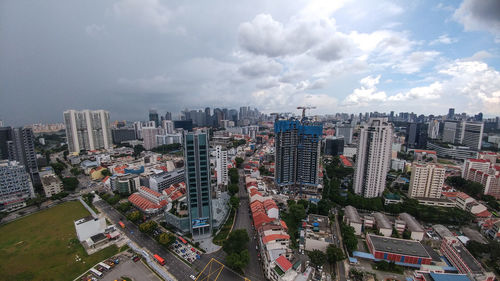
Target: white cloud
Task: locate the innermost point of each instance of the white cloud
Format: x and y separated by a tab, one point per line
443	39
423	93
366	94
415	61
148	12
480	15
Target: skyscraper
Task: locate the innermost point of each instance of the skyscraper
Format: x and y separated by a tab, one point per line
451	114
471	134
87	130
21	147
197	169
5	136
168	116
297	150
433	129
373	157
416	135
344	130
153	116
450	131
221	165
426	180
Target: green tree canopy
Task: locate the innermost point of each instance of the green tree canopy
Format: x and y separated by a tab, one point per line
236	242
134	216
334	254
317	257
166	239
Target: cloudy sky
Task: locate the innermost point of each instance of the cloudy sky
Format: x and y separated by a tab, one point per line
128	56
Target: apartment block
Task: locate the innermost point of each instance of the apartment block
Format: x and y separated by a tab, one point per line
15	186
426	180
87	130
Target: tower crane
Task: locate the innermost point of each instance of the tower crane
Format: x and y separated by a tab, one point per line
304	109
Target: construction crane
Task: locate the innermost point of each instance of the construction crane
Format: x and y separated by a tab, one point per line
304	109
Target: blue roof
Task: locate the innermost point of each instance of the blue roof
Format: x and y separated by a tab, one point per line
363	255
353	260
449	277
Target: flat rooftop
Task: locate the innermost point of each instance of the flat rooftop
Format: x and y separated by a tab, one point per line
468	259
398	246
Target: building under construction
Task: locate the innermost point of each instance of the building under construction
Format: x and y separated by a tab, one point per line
297	153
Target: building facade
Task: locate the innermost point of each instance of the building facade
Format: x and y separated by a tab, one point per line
426	180
297	151
87	130
20	144
197	174
373	158
221	166
433	129
15	186
51	185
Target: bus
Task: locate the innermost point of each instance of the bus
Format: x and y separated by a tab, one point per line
121	224
159	259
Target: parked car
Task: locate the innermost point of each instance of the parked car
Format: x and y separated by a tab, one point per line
136	258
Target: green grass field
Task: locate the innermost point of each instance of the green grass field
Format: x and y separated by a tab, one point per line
44	246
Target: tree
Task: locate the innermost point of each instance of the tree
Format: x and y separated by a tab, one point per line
238	160
105	173
148	227
233	175
349	237
234	201
58	167
75	171
236	242
238	261
233	188
70	183
138	149
334	254
166	239
124	207
134	216
317	257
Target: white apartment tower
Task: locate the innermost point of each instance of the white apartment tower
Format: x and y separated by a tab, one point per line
87	130
433	131
426	180
373	157
221	166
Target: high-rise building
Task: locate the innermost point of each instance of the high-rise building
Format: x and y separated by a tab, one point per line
197	169
168	126
334	146
344	130
471	134
21	148
153	116
5	136
221	166
149	137
484	172
168	116
450	131
451	114
87	130
123	134
433	129
373	157
416	135
297	151
426	180
15	186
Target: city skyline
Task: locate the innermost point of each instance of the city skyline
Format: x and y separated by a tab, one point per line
343	56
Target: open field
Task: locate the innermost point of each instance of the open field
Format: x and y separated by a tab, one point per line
44	246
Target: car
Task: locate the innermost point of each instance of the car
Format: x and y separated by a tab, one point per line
136	258
192	277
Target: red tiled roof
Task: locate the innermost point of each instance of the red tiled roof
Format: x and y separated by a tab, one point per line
260	218
478	160
345	161
484	214
426	151
462	195
105	179
169	190
150	191
273	237
269	204
450	194
176	195
283	223
143	203
283	263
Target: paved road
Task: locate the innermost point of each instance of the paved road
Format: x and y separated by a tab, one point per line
253	271
177	268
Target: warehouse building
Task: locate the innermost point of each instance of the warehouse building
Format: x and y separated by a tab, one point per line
397	250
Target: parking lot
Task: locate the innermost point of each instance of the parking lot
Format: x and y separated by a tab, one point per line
185	251
120	266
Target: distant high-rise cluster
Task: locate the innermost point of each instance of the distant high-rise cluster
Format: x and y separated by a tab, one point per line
87	130
373	157
15	186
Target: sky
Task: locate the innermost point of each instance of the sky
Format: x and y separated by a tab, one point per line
128	56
